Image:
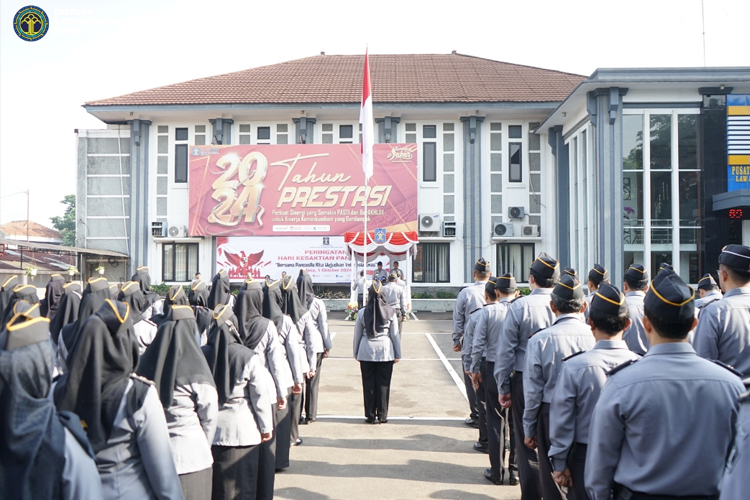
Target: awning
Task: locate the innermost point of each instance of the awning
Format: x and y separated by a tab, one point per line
397	245
61	248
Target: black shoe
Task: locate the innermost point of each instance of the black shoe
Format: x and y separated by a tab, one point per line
302	421
297	442
383	420
489	477
480	447
310	420
472	423
369	420
513	479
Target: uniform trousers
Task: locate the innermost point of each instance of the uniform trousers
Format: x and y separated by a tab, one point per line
311	390
235	472
471	395
623	493
550	489
577	466
295	412
360	301
482	404
197	485
496	424
528	464
376	387
282	435
267	465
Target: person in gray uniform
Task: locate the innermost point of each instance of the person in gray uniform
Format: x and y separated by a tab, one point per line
635	287
570	272
397	270
526	316
120	411
470	299
360	285
708	290
643	442
394	297
380	274
723	332
44	454
466	346
377	347
736	482
597	276
581	379
483	354
544	355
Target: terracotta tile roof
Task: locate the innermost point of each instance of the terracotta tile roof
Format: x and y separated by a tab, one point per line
407	78
17	229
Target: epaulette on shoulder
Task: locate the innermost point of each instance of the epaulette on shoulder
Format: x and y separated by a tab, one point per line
621	367
146	381
726	366
536	332
573	355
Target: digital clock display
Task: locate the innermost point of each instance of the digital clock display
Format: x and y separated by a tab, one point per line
735	213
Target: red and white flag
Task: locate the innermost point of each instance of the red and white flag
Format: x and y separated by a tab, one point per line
366	120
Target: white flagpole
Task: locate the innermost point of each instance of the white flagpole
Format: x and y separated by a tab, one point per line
366	119
364	296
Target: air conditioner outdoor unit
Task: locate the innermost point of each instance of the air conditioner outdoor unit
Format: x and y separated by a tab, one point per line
157	229
531	230
503	229
449	229
177	231
516	212
429	222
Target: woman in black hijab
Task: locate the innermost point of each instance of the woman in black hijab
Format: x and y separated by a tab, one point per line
94	295
377	346
198	299
245	415
6	291
175	297
43	455
151	299
25	293
52	295
132	446
175	363
289	338
220	290
67	312
144	328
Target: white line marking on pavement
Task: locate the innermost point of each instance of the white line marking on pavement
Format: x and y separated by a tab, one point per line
350	417
459	382
402	359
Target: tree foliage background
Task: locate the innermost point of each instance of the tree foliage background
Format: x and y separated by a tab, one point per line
67	223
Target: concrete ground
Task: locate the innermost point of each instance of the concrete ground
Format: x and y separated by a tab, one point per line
423	452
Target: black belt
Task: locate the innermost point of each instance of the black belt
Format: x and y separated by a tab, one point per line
625	493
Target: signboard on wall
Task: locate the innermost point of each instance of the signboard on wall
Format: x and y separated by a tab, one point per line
738	142
300	189
323	257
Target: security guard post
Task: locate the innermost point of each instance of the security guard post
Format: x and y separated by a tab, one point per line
597	276
394	297
708	290
544	356
483	353
723	332
527	315
581	379
643	437
470	299
635	287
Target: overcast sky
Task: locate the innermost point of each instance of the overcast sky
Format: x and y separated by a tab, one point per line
98	49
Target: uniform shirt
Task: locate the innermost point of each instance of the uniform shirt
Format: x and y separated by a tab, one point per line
145	330
317	336
588	300
469	299
578	386
360	285
487	332
248	412
723	332
290	339
400	273
80	479
736	483
544	358
380	275
386	346
272	356
710	297
526	316
191	420
137	462
394	296
468	340
663	426
635	335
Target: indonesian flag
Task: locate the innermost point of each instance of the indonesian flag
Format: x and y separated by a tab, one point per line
365	119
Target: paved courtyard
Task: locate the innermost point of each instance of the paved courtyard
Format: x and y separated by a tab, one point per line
424	451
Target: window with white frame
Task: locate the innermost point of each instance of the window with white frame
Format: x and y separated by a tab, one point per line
661	190
432	263
245	133
496	173
282	133
339	133
200	135
162	169
515	258
449	177
535	178
179	261
181	155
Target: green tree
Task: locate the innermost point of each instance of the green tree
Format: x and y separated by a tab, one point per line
67	223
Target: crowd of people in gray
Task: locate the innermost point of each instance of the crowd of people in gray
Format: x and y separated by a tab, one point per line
624	395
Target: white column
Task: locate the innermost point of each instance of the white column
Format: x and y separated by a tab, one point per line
675	159
646	193
746	232
353	296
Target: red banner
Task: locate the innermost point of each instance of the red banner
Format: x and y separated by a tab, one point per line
301	189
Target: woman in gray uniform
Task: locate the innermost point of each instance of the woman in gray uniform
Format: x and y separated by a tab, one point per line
44	455
377	346
120	411
175	363
245	409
